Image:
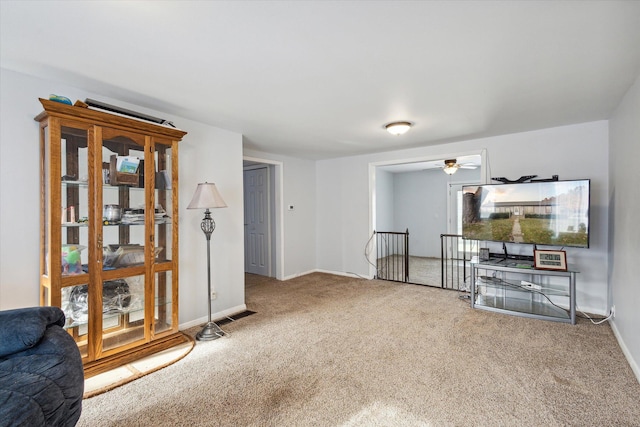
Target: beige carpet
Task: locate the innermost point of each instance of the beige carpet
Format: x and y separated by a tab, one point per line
425	271
323	350
116	377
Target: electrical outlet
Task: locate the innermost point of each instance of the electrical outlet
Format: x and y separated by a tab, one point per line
214	295
613	311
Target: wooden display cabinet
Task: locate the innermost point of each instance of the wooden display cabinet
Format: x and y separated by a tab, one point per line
109	242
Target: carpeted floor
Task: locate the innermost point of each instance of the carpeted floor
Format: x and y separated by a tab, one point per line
116	377
425	271
325	350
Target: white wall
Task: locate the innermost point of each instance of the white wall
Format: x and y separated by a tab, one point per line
343	215
624	222
572	152
299	184
421	206
385	202
206	154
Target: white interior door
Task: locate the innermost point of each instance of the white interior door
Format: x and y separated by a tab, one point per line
256	222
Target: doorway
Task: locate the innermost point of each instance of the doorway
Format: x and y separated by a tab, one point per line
257	221
418	197
262	185
455	214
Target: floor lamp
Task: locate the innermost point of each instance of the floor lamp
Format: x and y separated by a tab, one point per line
207	197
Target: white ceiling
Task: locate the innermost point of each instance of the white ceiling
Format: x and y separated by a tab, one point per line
319	79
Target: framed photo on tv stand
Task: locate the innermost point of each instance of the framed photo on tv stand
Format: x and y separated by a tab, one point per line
550	260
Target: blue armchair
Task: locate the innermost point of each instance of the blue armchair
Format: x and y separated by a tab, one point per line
41	374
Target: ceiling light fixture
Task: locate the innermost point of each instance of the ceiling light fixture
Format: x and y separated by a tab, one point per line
450	167
398	128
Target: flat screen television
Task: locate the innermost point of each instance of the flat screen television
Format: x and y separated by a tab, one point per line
552	213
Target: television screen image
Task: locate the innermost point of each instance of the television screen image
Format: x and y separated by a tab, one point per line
553	213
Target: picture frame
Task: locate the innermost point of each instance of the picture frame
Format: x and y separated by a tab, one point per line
550	260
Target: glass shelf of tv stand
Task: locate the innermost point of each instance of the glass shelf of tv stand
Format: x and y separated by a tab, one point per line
510	295
497	285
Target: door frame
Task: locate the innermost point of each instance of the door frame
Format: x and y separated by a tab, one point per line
276	204
484	178
451	227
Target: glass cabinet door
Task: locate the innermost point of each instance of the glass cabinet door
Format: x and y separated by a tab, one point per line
164	295
70	164
121	207
165	291
163	215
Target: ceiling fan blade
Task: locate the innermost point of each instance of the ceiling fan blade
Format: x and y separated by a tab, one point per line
467	166
429	167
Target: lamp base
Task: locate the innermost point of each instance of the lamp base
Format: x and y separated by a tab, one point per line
210	332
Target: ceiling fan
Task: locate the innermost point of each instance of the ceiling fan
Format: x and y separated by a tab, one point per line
451	166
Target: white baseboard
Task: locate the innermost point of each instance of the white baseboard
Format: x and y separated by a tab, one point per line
293	276
347	274
337	273
592	310
634	366
214	316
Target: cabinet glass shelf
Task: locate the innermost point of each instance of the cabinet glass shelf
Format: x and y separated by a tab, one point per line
85	268
86	224
112	318
104	186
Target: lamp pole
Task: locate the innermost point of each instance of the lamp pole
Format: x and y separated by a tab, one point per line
211	331
205	197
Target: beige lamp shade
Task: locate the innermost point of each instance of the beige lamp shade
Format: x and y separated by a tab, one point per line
207	196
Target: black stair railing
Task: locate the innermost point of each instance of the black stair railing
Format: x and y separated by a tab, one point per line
392	256
456	254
